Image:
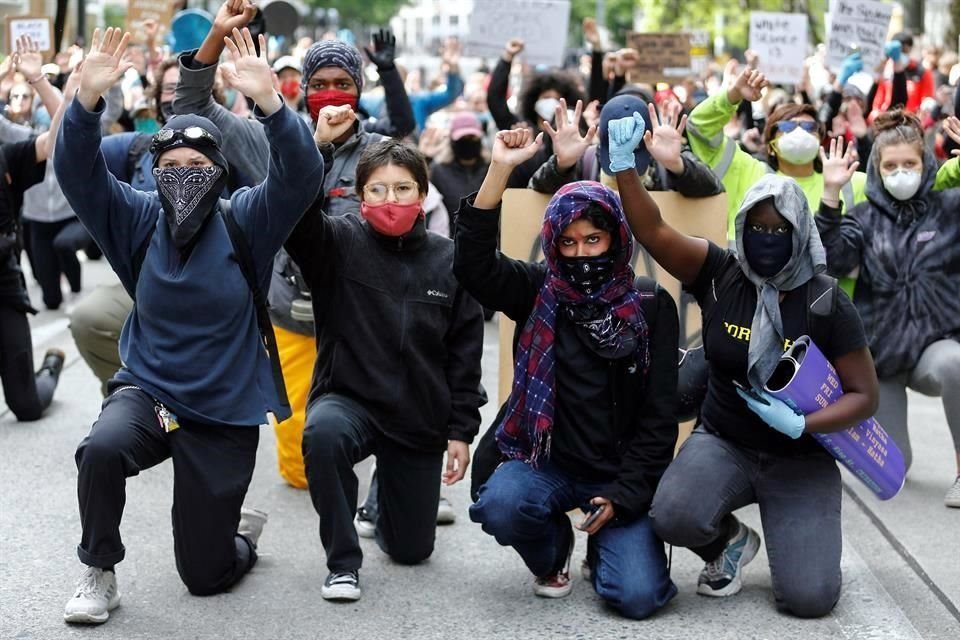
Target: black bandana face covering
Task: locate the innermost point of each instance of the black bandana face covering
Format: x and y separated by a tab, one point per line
188	195
588	273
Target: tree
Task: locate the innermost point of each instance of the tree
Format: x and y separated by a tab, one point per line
954	31
359	15
619	18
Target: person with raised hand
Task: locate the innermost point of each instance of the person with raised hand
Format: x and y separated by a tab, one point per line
196	381
905	242
590	422
750	447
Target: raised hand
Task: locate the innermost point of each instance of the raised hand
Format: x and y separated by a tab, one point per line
855	120
450	56
384	50
513	48
838	167
624	136
591	114
333	122
251	74
568	145
28	58
432	142
591	33
627	58
748	86
6	67
103	66
233	14
665	141
512	148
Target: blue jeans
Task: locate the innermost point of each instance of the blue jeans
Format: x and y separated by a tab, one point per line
799	498
527	510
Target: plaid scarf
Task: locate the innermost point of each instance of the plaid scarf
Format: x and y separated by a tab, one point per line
525	432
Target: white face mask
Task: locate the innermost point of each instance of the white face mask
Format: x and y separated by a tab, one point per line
798	147
546	108
902	184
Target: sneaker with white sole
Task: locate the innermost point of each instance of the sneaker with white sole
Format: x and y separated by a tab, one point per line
364	524
341	585
96	596
722	577
251	524
558	584
952	499
445	512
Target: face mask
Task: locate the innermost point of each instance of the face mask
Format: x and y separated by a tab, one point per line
290	89
329	98
188	195
798	147
587	273
767	253
166	111
392	218
466	148
546	108
146	125
902	184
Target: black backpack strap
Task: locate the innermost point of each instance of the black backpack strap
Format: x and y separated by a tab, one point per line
650	301
822	294
245	258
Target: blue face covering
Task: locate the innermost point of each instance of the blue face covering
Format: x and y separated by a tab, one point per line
767	253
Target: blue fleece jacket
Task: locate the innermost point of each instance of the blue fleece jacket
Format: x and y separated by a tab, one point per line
191	340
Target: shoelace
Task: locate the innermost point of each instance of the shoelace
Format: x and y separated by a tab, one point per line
715	568
343	578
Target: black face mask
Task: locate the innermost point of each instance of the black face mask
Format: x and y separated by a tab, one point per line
588	273
166	111
188	195
767	253
467	148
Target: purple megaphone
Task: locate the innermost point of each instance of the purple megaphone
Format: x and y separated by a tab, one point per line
807	381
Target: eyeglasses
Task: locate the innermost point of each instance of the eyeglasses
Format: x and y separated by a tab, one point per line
405	192
787	126
167	138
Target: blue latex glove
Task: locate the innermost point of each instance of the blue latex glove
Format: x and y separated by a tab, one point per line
625	135
852	64
776	413
893	50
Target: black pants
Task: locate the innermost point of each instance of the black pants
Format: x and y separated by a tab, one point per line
27	394
212	468
338	434
54	247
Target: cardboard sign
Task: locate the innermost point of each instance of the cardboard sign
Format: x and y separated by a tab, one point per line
139	11
664	57
860	24
780	39
541	24
39	28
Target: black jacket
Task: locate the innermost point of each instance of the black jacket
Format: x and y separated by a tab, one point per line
639	444
395	331
455	181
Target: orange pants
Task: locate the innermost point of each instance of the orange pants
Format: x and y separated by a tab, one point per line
297	355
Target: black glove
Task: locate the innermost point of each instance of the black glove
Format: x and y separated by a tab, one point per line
384	50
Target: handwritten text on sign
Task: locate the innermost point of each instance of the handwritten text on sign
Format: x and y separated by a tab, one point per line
541	24
664	57
780	39
36	28
858	23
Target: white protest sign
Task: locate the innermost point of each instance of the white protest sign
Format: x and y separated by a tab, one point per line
780	39
37	27
862	24
541	24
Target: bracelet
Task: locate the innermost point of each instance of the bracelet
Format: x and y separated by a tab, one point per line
42	76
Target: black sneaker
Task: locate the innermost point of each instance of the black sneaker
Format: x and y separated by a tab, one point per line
341	585
365	525
52	363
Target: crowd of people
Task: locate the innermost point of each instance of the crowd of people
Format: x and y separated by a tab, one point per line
295	246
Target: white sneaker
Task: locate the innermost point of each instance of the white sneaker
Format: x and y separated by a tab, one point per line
365	526
952	499
445	512
251	524
97	595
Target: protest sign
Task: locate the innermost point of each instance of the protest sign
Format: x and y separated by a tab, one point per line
40	28
541	24
858	24
664	57
139	11
780	40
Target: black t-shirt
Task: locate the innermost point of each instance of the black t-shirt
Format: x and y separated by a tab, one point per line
728	314
20	172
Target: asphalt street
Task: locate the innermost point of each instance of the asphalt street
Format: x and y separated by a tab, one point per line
901	559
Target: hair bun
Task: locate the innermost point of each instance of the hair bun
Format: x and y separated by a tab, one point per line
896	118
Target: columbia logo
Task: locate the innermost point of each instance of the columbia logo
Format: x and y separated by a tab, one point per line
437	294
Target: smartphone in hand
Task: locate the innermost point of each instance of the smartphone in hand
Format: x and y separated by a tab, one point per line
591	517
750	392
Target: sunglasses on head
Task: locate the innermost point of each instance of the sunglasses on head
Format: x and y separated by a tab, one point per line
166	138
786	126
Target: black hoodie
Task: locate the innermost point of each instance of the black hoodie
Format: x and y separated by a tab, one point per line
908	289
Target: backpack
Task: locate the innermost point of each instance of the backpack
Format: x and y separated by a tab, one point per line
138	146
245	257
